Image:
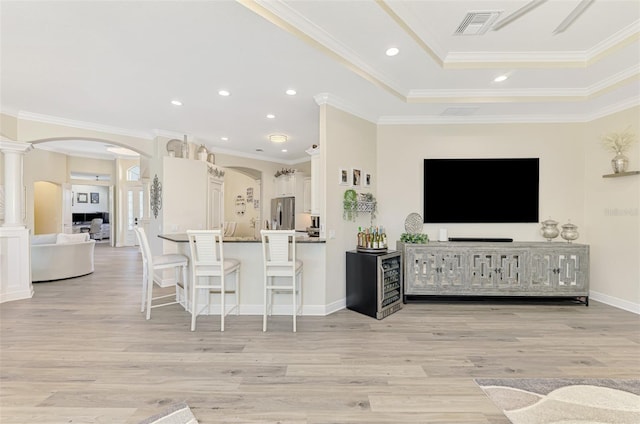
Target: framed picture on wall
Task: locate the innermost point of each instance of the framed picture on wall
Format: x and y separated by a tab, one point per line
366	182
95	197
356	177
83	198
343	177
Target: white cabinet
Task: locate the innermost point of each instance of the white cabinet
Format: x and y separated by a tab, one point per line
307	194
286	185
316	178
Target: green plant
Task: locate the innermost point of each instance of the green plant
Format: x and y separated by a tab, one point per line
350	205
414	238
354	203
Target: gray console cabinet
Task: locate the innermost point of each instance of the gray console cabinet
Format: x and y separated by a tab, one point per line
496	269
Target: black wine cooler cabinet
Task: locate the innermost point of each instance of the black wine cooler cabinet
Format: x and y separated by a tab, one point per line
374	283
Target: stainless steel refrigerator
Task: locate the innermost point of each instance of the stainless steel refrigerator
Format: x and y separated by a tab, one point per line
283	213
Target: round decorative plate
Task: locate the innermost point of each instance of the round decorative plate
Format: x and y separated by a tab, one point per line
413	223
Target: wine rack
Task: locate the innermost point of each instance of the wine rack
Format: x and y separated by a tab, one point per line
374	283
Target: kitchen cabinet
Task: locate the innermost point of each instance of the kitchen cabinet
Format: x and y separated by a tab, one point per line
286	185
306	190
316	178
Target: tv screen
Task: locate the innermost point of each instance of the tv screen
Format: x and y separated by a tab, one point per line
481	190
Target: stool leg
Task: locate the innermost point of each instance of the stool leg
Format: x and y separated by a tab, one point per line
144	287
294	296
264	315
194	303
238	292
223	294
149	291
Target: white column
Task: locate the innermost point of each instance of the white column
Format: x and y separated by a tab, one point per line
15	248
13	182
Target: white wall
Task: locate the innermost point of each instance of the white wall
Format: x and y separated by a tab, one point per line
236	184
612	214
47	207
401	150
346	141
103	197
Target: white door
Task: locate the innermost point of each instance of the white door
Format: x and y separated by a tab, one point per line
135	213
215	215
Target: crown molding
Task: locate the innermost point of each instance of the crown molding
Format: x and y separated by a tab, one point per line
255	156
461	120
47	119
338	103
282	15
615	108
510	119
432	49
569	59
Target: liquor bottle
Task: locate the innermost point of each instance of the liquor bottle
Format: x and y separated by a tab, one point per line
359	237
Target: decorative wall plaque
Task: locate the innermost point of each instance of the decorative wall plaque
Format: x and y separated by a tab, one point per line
156	196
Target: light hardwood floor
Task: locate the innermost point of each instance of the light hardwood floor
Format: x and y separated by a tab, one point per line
80	351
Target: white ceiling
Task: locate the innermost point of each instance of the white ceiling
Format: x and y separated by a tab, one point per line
119	64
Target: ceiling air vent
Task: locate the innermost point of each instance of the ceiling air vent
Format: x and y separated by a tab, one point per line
477	23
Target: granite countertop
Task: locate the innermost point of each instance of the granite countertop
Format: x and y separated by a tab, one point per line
182	238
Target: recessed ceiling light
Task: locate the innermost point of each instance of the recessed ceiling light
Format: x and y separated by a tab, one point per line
284	150
176	102
271	116
224	93
392	51
291	92
224	138
501	78
277	138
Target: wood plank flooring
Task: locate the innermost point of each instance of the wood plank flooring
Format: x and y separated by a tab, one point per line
80	351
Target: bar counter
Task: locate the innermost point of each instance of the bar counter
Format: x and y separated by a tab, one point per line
182	238
248	250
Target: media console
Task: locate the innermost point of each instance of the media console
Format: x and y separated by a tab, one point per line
534	269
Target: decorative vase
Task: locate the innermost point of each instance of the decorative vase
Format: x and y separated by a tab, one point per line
202	152
569	232
549	229
619	163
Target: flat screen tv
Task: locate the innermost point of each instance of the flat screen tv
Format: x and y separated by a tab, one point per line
481	190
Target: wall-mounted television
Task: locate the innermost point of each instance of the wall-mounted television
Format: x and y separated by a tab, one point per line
504	190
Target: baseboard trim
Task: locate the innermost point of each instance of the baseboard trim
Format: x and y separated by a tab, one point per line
615	302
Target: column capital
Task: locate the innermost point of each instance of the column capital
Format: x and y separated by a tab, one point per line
14	146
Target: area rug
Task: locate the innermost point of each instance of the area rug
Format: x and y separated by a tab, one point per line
565	401
175	414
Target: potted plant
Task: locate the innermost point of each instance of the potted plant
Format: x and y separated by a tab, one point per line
354	203
350	205
619	142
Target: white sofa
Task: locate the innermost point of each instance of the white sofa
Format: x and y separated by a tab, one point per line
59	256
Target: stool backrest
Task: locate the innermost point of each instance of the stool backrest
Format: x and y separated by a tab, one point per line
207	257
279	247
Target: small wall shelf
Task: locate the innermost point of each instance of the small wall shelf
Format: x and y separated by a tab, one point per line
621	174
